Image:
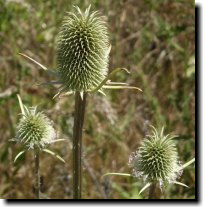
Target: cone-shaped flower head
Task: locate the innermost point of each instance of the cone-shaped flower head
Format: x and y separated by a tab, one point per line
157	159
35	130
82	53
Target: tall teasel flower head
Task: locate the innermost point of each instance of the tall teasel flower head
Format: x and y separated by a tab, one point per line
35	130
82	56
157	159
82	52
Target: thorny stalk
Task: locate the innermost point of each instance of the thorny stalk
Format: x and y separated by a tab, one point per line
154	191
80	102
37	173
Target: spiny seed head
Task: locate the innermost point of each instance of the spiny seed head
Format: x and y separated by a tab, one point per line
35	130
157	159
82	52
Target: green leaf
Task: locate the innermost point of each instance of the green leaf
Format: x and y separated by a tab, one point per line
179	183
145	187
188	163
18	155
117	174
54	154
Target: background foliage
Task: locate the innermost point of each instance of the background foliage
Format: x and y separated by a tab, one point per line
155	40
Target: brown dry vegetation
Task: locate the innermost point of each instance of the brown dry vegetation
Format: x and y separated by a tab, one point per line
155	40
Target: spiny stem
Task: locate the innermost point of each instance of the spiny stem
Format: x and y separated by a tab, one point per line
77	143
154	191
151	191
37	173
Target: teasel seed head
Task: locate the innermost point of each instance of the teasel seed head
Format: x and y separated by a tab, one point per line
34	130
156	159
82	52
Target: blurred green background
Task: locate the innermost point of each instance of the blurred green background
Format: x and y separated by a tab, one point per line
154	39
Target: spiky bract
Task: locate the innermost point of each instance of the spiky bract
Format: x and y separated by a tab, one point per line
35	130
157	159
82	54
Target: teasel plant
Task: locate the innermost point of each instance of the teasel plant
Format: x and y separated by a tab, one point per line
35	132
157	163
82	68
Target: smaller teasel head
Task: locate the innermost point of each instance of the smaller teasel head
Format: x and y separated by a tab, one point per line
34	130
82	51
156	160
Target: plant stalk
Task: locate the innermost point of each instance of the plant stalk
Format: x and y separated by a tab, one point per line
80	104
154	191
37	173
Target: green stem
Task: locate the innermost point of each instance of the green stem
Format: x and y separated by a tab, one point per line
37	174
77	144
